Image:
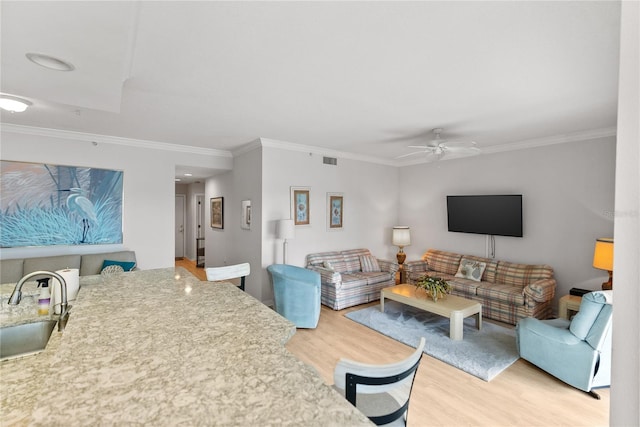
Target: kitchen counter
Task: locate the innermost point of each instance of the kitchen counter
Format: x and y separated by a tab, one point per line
159	347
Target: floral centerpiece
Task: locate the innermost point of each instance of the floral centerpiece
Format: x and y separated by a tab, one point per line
436	287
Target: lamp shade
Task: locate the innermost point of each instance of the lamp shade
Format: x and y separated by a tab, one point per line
401	236
285	229
603	254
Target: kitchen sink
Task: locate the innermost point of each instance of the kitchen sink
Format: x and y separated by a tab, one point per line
25	339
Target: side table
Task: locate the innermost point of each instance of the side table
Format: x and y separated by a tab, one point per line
568	303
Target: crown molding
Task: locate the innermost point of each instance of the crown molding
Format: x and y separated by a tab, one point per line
266	142
105	139
273	143
552	140
246	148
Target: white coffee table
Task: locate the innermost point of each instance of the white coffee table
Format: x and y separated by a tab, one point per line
454	307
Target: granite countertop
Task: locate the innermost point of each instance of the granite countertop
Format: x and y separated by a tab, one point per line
160	347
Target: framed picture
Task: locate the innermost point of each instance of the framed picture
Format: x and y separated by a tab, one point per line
217	212
246	215
301	205
335	211
49	205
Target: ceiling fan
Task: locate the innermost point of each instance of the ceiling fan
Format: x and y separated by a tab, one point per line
440	147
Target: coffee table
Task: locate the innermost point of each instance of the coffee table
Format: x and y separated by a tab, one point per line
454	307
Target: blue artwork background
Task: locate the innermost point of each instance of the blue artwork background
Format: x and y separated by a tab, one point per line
44	205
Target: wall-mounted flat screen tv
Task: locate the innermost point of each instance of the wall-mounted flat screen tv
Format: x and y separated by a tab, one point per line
495	215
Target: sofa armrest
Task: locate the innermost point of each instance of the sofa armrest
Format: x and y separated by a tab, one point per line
416	266
541	290
388	266
327	275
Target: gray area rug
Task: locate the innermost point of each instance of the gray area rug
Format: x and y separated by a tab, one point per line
483	353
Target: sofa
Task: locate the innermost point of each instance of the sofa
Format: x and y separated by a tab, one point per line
508	291
351	277
12	270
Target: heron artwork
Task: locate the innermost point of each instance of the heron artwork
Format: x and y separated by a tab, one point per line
81	207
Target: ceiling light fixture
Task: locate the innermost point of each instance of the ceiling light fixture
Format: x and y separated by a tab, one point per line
178	179
188	174
14	104
50	62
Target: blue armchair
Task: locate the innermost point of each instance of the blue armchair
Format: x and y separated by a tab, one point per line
296	294
576	352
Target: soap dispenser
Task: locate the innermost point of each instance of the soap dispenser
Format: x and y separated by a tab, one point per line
44	299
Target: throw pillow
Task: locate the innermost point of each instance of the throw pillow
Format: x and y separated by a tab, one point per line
126	265
111	269
470	269
327	265
369	264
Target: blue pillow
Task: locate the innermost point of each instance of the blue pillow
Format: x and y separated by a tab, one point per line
126	265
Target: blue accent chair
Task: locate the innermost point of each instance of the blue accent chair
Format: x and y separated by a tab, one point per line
576	352
296	294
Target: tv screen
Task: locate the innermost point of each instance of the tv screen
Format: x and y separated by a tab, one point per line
499	215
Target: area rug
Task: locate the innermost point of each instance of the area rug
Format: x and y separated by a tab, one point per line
483	353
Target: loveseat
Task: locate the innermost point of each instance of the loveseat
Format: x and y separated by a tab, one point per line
351	277
12	270
508	291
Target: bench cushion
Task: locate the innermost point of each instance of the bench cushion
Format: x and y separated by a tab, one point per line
11	270
51	263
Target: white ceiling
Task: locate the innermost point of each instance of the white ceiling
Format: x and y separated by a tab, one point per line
365	78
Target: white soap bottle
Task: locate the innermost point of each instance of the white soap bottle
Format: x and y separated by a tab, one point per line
44	299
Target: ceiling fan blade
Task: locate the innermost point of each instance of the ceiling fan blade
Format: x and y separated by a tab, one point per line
412	154
462	149
460	144
422	147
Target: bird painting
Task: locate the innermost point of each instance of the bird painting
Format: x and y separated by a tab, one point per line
81	207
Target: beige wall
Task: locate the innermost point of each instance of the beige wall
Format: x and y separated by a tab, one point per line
568	202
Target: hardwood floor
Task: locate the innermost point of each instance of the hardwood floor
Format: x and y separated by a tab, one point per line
191	267
522	395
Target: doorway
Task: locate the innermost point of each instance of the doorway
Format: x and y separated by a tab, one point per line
179	226
199	220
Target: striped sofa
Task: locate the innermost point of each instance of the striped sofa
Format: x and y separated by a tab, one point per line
351	277
508	291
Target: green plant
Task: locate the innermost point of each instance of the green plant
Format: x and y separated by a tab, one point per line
437	287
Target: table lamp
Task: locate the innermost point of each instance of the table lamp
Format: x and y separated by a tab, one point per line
401	238
603	259
285	230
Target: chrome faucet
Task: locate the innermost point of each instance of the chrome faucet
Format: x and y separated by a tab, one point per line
16	295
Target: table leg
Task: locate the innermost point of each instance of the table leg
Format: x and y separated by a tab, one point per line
455	325
563	310
479	320
381	302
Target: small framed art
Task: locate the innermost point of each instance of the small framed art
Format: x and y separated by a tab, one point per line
217	212
301	205
335	211
246	215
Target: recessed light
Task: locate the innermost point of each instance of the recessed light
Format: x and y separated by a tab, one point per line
178	180
13	103
188	174
50	62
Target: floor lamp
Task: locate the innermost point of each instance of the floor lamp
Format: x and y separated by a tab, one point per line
285	230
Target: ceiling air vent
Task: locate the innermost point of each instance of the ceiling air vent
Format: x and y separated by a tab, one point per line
330	161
